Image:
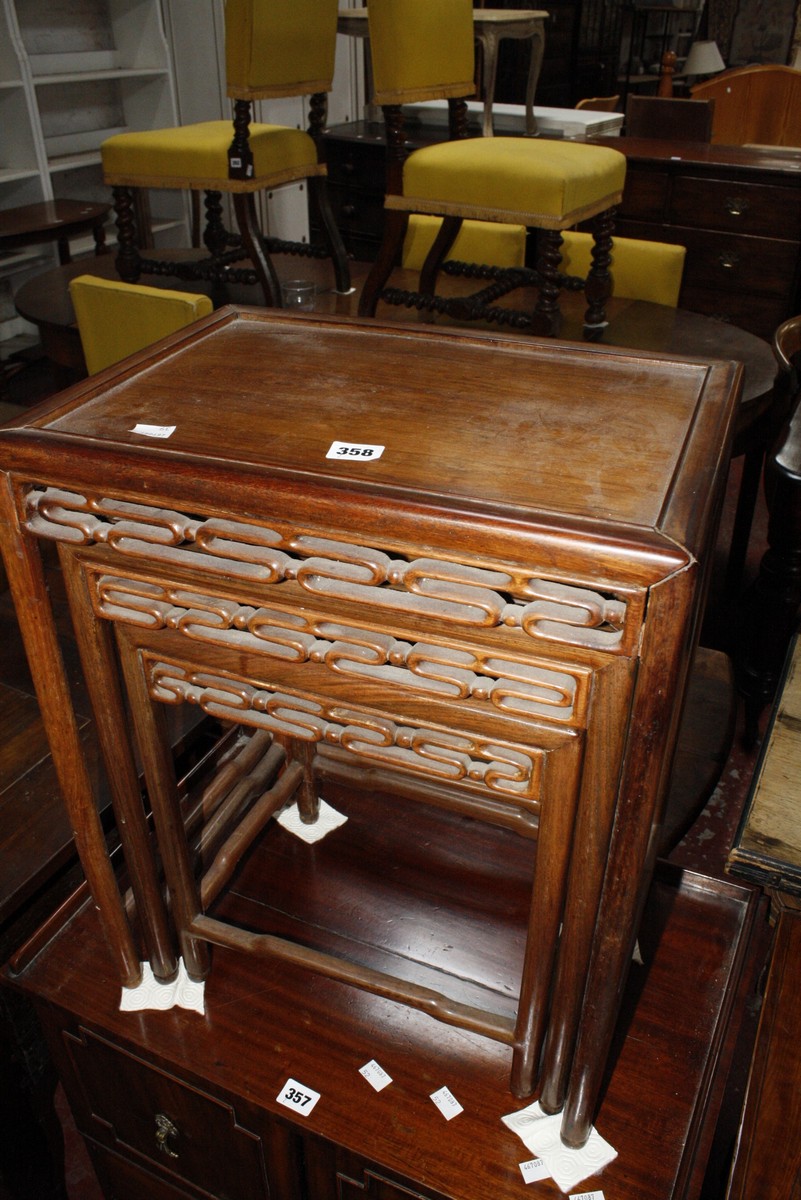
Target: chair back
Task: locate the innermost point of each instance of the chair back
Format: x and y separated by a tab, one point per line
116	319
421	50
669	118
760	104
279	47
599	103
641	270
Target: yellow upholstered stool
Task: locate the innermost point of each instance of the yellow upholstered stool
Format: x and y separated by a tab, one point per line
640	270
116	319
423	51
274	48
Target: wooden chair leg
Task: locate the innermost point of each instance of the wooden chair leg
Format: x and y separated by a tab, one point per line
215	235
547	314
598	287
321	209
248	225
446	236
128	262
396	224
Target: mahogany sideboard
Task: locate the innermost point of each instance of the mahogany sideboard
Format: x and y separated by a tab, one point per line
463	572
737	209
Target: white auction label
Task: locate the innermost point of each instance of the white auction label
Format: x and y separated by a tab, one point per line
354	451
156	431
375	1075
586	1196
447	1103
534	1170
298	1097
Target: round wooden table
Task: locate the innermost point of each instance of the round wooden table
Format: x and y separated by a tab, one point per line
53	221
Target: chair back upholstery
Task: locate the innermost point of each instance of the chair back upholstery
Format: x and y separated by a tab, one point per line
279	47
760	104
421	50
116	319
641	270
669	118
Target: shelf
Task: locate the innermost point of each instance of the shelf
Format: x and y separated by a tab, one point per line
13	174
98	76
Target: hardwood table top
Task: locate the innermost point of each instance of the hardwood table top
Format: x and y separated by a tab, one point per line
48	220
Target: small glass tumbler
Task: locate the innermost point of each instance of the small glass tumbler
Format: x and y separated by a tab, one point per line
298	295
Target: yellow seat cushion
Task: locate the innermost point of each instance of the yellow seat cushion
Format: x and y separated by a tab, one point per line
640	270
196	156
116	319
477	242
551	185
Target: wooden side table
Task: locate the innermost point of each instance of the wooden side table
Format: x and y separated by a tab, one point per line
53	221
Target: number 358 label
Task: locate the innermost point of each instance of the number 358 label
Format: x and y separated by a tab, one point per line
297	1097
354	451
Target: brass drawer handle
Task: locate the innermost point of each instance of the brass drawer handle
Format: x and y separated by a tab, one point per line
729	260
164	1131
736	206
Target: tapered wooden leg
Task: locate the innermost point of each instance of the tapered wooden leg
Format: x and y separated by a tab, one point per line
248	225
151	735
95	643
321	208
547	907
29	592
396	224
446	236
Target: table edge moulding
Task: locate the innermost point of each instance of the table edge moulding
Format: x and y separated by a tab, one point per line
450	567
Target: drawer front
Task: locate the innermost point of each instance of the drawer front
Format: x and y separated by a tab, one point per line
121	1179
357	164
745	208
357	212
143	1113
644	195
766	266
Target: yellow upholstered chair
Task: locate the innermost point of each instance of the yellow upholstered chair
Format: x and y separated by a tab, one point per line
274	48
425	51
476	242
640	270
116	319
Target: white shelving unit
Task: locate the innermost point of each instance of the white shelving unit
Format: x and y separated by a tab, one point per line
72	72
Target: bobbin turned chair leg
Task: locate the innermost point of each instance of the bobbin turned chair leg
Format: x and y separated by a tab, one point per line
128	262
598	287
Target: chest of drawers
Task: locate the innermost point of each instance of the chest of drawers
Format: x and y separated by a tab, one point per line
462	573
738	212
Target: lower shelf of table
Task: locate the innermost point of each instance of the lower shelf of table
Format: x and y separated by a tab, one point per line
265	1024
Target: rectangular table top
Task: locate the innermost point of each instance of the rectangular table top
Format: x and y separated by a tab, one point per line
555	435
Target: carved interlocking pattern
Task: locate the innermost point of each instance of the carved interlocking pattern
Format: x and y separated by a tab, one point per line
444	672
435	752
456	593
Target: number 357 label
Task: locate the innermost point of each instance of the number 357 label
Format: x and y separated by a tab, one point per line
297	1097
354	451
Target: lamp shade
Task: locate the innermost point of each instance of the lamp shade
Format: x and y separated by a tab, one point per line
704	59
